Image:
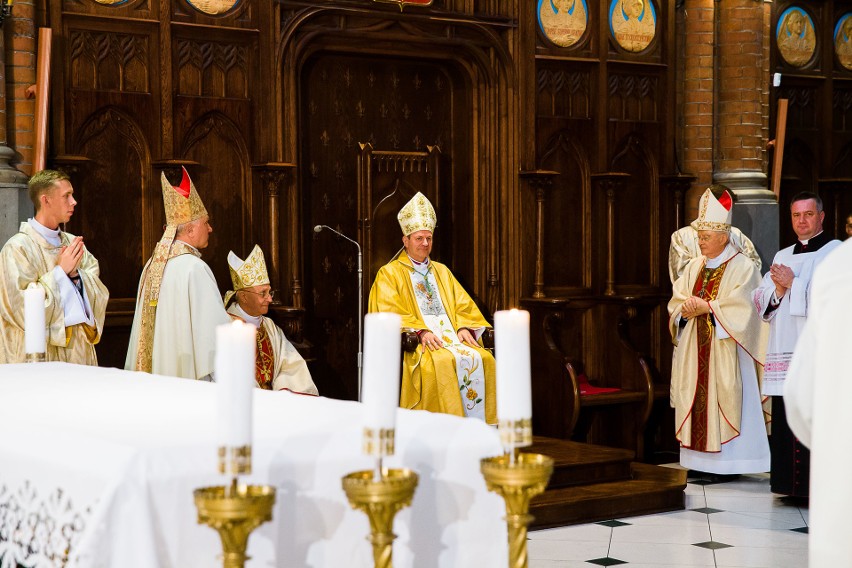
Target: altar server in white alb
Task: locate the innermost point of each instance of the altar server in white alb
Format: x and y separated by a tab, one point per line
783	300
278	366
817	392
43	254
178	305
720	341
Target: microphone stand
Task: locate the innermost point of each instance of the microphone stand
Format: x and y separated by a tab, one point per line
319	228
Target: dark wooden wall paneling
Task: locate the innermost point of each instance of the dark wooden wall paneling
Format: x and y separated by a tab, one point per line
818	150
602	109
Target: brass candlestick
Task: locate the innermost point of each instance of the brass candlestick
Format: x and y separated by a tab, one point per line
234	512
380	498
518	478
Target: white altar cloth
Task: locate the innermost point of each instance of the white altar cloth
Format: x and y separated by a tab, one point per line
106	460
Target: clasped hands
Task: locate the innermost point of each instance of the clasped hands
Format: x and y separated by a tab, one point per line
70	257
432	342
782	276
693	307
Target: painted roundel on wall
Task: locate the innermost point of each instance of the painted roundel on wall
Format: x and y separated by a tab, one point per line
843	40
633	23
795	36
563	22
111	2
213	7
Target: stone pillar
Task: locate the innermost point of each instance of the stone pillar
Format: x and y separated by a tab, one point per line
742	118
15	205
724	93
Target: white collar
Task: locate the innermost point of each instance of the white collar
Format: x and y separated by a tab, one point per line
52	236
726	255
805	241
254	320
421	267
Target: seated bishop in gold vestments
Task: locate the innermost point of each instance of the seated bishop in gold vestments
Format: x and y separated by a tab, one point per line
41	254
278	366
449	372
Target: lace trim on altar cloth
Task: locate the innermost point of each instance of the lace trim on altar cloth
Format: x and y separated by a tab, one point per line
38	530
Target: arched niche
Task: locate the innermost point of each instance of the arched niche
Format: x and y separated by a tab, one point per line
223	180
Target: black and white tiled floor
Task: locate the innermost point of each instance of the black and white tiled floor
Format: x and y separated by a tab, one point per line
728	524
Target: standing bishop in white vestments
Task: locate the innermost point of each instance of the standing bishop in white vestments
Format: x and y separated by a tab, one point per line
178	305
44	255
278	366
817	392
720	341
782	300
449	372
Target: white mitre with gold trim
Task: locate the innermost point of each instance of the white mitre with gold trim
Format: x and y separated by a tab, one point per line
714	214
417	215
248	272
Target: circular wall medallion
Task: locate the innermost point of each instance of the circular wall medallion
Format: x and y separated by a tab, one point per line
213	7
563	22
633	23
843	40
795	36
111	2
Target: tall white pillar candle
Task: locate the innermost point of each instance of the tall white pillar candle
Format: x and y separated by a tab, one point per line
512	354
382	369
34	325
234	374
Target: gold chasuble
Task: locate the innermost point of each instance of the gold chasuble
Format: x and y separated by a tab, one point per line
28	258
429	378
706	389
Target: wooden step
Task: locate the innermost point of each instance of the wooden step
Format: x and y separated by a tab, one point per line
593	483
581	464
651	489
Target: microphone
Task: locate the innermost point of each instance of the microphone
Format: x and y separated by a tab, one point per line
318	229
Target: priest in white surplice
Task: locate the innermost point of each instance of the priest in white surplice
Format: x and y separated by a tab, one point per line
782	300
44	255
278	365
720	340
449	372
817	392
178	305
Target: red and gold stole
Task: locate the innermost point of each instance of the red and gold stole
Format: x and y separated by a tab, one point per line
706	287
264	364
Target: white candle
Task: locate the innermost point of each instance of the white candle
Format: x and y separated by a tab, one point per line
382	368
34	325
512	353
234	363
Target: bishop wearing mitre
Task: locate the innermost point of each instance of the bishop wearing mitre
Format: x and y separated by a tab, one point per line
449	372
178	305
278	366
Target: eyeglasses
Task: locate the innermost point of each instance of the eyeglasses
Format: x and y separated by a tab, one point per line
265	294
